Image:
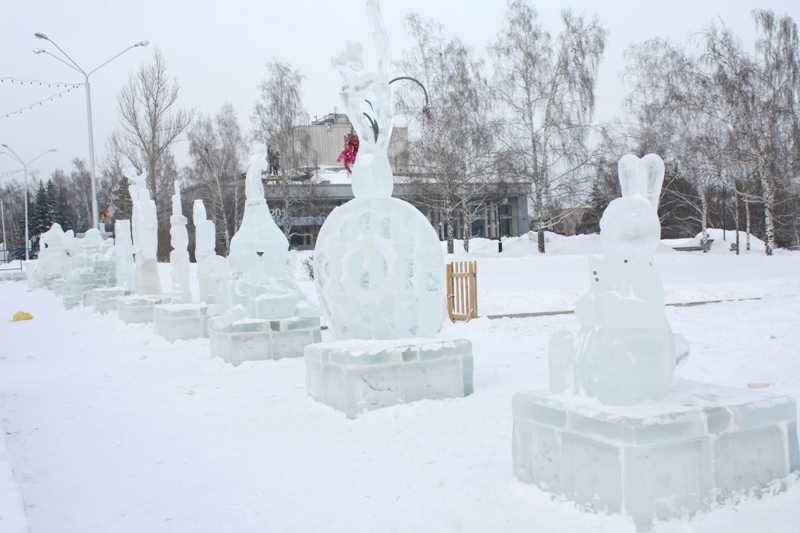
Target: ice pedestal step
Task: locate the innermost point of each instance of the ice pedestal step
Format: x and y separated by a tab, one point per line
136	308
105	300
662	459
354	376
181	321
58	286
258	339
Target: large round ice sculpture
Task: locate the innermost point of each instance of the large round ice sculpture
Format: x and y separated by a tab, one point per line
378	264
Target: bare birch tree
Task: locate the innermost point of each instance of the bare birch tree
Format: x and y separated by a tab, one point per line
454	160
757	98
547	89
218	152
276	115
150	119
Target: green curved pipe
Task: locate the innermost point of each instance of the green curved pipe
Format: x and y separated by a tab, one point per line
427	101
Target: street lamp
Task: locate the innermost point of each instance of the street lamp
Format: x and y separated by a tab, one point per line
3	217
74	66
14	155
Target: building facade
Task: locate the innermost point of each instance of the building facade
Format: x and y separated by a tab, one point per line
300	204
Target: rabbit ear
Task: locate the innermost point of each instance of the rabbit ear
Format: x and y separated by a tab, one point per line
650	172
627	175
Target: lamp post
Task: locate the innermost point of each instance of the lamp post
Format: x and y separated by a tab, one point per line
14	155
3	217
74	66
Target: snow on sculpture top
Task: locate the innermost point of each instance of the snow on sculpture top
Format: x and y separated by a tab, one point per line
625	352
378	265
367	101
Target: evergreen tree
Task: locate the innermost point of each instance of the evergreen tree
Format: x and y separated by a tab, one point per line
38	216
52	194
121	200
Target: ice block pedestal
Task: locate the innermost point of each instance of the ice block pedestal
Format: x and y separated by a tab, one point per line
237	339
354	376
181	321
105	300
665	458
136	308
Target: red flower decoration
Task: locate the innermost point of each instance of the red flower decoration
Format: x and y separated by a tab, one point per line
348	155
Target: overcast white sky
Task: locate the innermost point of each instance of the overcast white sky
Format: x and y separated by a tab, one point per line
217	50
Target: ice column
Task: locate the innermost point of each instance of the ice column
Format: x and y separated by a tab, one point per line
205	232
126	272
145	238
179	256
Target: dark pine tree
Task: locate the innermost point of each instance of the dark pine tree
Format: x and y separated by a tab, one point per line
52	195
38	216
121	200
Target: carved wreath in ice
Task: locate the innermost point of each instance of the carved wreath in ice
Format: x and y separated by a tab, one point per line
625	352
378	264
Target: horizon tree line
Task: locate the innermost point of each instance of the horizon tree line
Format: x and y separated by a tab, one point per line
724	119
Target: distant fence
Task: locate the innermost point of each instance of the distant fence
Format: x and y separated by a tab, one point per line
13	265
462	290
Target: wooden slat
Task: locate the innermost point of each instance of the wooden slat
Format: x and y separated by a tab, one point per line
462	290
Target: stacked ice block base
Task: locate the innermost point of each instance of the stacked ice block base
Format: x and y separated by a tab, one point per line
136	309
663	459
181	321
104	300
236	338
354	376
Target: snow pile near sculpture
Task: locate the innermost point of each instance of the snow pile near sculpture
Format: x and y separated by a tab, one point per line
379	272
613	432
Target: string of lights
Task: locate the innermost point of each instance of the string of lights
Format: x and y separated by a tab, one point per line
11	173
30	106
40	83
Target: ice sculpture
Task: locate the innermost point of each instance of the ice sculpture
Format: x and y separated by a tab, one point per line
145	238
90	265
263	314
625	352
138	308
622	440
52	256
179	256
49	269
126	270
379	270
204	248
379	262
180	319
205	233
105	299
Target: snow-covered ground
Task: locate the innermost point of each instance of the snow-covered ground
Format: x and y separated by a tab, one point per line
110	429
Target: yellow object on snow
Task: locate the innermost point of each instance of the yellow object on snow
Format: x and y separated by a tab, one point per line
21	315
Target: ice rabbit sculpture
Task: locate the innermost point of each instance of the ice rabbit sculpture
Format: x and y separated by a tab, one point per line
625	352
